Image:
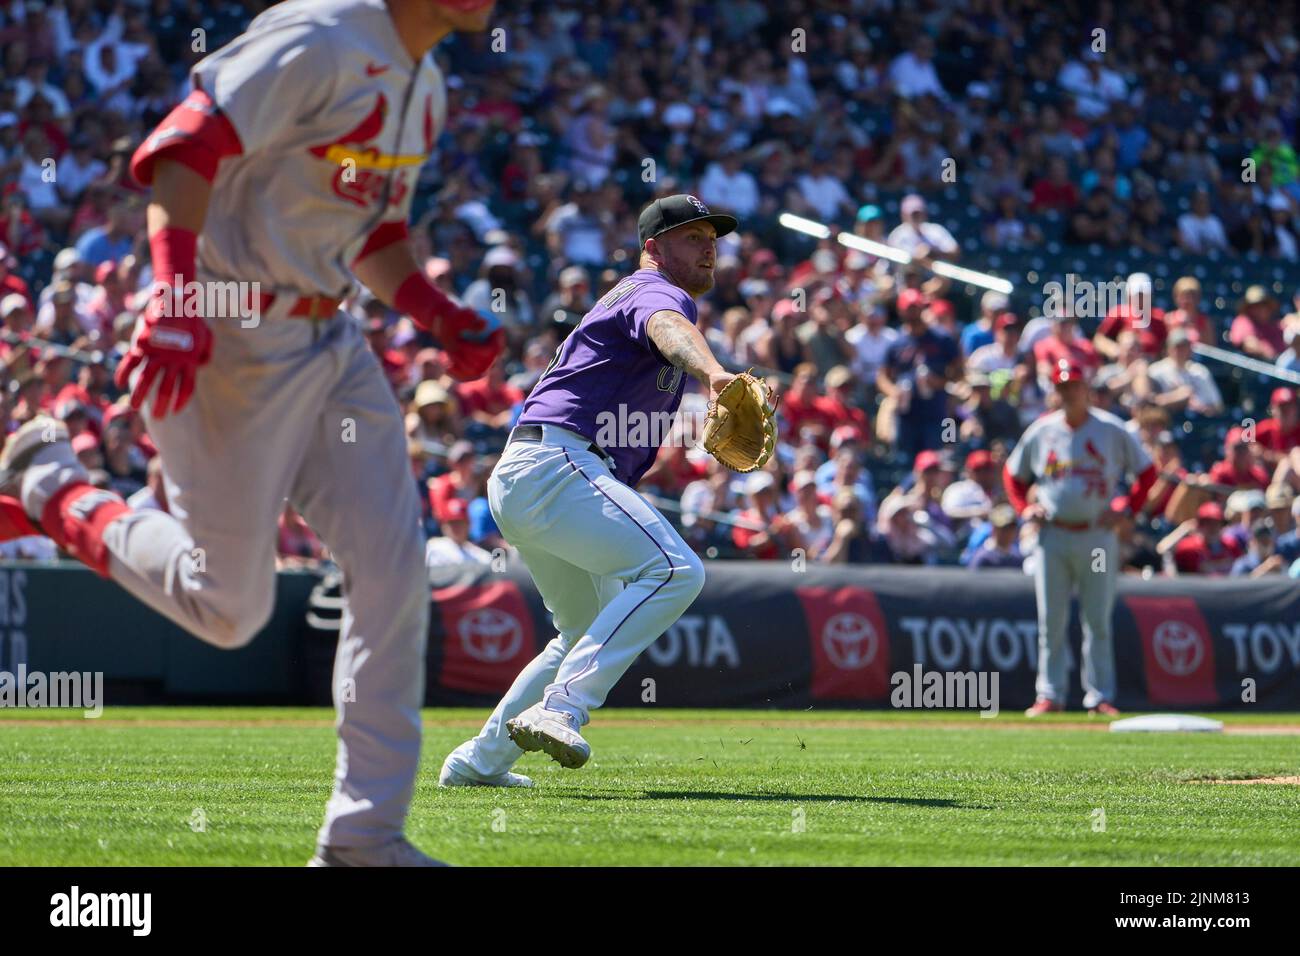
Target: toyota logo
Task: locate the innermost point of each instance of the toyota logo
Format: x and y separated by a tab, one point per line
1179	648
490	635
850	641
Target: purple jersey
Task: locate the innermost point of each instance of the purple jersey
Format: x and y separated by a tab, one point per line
608	374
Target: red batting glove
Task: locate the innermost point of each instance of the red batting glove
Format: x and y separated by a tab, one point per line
471	360
168	346
471	342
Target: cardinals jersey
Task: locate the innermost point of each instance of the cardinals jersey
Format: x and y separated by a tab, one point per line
335	120
1077	470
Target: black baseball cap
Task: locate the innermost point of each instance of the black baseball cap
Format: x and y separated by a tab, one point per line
673	211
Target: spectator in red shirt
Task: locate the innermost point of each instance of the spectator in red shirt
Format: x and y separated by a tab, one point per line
392	360
489	400
130	419
11	284
1256	330
1239	469
1198	545
1188	315
1064	343
1168	461
780	538
462	481
108	301
800	412
838	406
672	471
1136	313
1055	190
90	391
1281	433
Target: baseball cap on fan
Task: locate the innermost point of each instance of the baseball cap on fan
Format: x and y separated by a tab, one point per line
673	211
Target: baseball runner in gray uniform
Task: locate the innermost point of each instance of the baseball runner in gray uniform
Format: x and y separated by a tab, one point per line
287	171
613	572
1075	458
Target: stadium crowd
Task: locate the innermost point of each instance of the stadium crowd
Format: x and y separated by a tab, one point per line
901	395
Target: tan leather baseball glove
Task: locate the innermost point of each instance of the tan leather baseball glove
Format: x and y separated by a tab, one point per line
740	430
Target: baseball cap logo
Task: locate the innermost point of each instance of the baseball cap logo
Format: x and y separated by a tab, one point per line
698	204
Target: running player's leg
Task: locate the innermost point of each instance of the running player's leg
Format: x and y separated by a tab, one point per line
1052	590
1096	607
228	460
356	491
574	597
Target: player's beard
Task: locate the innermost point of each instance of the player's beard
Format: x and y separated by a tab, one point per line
699	279
695	279
704	282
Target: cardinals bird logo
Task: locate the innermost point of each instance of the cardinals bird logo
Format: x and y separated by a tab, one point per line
362	166
1053	467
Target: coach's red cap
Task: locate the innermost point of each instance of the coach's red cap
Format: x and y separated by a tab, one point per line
1282	396
1067	371
910	299
1210	511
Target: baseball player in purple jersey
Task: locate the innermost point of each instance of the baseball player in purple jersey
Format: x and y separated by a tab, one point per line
288	169
612	571
1075	458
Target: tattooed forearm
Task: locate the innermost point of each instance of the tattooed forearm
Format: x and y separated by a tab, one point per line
682	344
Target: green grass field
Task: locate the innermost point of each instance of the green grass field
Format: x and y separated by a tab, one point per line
665	787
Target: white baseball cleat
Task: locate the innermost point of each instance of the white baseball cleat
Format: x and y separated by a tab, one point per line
553	732
458	774
396	852
42	447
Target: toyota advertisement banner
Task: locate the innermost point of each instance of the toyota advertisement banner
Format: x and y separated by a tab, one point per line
764	635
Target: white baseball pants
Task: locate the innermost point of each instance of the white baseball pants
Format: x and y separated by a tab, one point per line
612	571
301	410
1084	560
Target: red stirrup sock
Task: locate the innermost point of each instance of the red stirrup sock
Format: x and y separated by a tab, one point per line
76	516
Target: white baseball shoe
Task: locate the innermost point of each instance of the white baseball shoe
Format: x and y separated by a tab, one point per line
456	773
552	731
37	461
396	852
